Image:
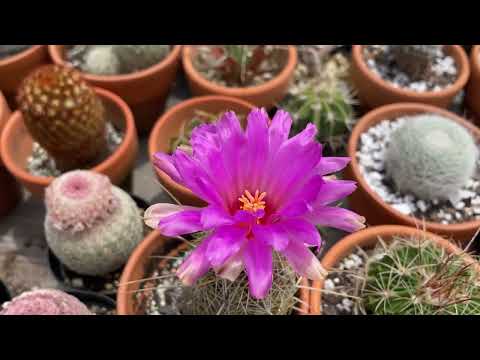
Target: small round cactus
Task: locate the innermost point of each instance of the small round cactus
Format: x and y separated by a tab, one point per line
415	59
139	57
64	115
431	157
91	225
45	302
213	295
101	60
411	276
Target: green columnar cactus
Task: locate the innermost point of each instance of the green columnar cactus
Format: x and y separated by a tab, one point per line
45	302
216	296
64	115
416	277
431	157
415	59
91	225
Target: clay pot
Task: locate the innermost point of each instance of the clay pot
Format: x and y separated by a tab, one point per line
265	95
473	88
16	147
10	193
366	202
169	125
14	68
373	91
139	267
144	91
367	239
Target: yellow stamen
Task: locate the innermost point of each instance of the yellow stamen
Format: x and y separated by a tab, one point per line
252	203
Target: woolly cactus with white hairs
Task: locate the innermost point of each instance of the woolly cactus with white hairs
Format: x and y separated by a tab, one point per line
45	302
122	59
415	59
411	276
91	225
431	157
101	60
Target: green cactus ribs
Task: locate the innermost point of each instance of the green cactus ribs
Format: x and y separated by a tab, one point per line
322	95
107	60
239	65
403	276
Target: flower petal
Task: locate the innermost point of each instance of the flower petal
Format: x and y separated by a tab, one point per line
232	268
213	216
279	130
336	217
226	241
195	265
165	163
257	149
182	222
259	268
330	165
303	261
157	212
273	234
334	190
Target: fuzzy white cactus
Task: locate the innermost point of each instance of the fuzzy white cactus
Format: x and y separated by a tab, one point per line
431	157
91	225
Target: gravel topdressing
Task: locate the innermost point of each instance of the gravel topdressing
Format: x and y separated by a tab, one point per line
381	61
371	159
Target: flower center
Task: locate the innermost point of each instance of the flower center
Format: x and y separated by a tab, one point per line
252	203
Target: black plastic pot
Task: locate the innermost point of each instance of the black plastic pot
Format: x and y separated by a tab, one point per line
93	284
90	299
4	293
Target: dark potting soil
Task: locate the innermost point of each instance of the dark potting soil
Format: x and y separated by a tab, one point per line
442	73
10	50
208	62
97	304
40	163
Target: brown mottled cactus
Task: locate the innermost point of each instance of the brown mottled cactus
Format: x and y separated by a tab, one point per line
64	115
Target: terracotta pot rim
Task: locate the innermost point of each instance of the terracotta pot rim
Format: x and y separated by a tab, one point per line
191	72
20	56
137	257
349	242
129	137
451	90
165	118
383	112
172	57
475	56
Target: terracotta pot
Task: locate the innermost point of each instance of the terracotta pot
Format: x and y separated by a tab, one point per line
366	202
10	193
14	68
265	95
139	267
144	91
373	91
16	147
169	125
473	88
367	239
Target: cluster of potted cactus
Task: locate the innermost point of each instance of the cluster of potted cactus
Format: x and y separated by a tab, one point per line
277	144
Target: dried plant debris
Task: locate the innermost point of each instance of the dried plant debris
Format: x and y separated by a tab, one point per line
40	163
371	156
419	68
406	276
10	50
240	65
